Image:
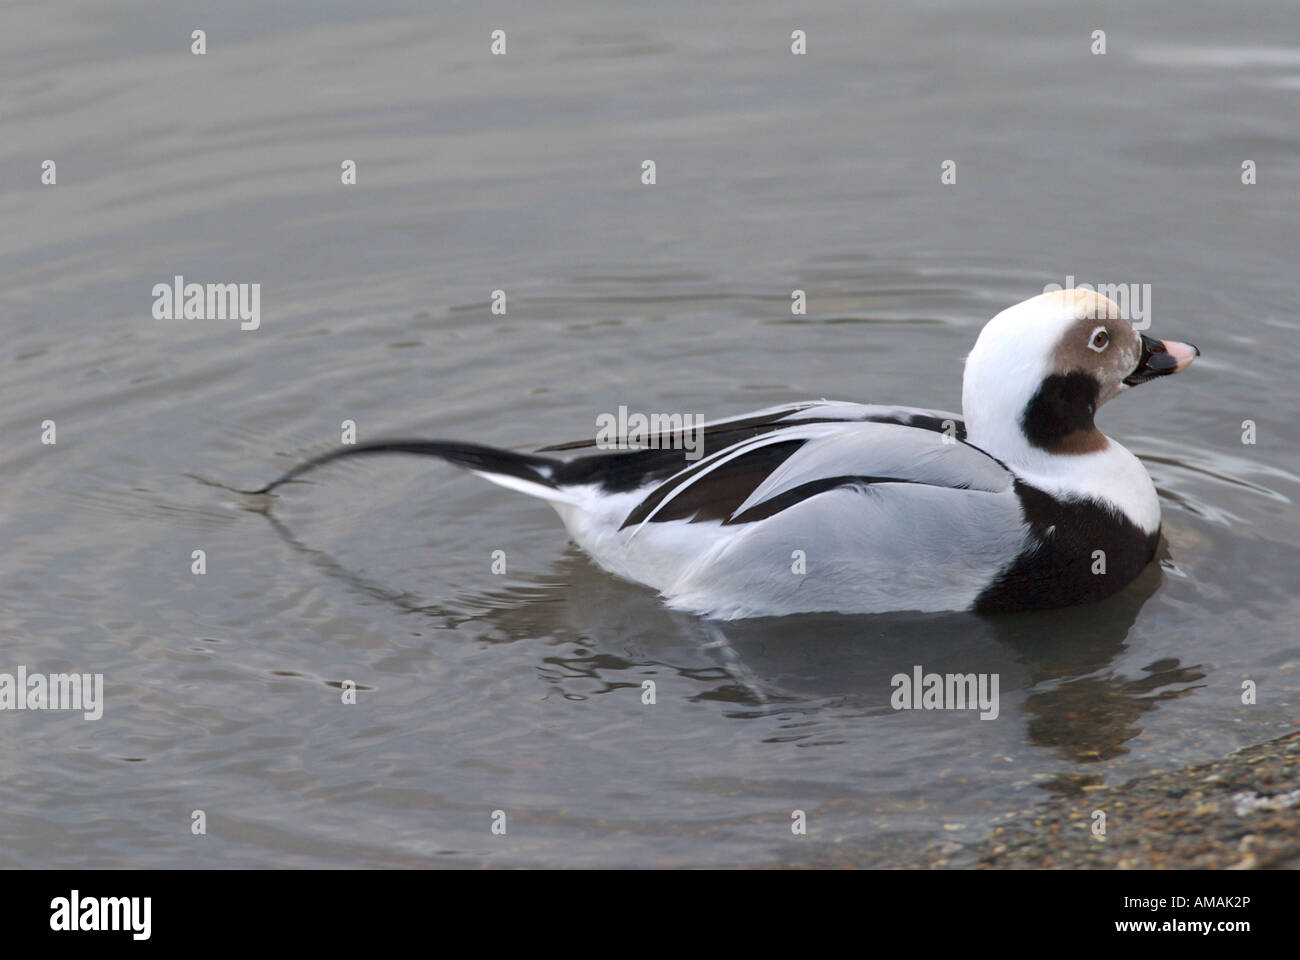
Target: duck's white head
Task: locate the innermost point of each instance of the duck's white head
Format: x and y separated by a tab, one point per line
1040	371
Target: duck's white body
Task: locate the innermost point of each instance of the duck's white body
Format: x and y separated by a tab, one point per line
912	518
930	538
828	506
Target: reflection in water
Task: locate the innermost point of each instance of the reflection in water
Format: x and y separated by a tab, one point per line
605	635
1090	718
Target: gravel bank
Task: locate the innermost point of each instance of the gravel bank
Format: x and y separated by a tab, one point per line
1241	812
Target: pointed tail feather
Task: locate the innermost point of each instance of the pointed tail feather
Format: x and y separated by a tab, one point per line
519	471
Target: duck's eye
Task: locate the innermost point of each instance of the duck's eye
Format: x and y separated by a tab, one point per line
1099	339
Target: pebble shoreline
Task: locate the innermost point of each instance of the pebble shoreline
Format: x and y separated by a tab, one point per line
1241	812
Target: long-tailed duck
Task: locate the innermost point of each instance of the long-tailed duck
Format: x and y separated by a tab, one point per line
1021	503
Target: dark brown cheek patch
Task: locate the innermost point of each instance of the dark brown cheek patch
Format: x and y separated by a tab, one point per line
1058	418
1073	352
1109	366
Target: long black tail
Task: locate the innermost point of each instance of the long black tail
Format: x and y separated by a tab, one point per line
471	456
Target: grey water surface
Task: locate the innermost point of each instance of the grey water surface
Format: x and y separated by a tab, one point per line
522	692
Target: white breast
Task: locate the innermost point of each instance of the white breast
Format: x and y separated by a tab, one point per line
1113	475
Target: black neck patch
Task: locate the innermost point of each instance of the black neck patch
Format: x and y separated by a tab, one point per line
1064	404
